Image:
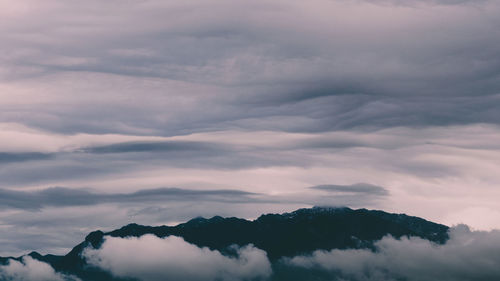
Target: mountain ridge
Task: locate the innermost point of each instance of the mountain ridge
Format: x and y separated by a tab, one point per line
280	235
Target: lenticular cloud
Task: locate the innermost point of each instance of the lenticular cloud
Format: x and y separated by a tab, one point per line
149	258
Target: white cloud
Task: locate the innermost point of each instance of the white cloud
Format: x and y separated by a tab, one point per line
468	255
30	269
150	258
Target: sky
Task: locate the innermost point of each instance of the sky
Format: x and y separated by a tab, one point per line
156	112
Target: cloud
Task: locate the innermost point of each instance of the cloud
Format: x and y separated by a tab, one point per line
62	197
166	146
68	197
6	157
149	258
426	2
268	65
393	93
468	255
434	173
29	269
358	188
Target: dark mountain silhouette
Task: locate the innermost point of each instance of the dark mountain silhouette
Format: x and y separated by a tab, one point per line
280	235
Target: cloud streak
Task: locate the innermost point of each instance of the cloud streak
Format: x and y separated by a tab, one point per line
358	188
64	197
166	146
6	157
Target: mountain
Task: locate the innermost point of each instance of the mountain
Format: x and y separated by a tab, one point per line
280	235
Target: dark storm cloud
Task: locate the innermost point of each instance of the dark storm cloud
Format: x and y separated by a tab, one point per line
358	188
63	197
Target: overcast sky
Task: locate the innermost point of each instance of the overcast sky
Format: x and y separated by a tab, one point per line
155	112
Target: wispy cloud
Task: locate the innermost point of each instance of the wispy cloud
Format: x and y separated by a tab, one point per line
6	157
63	197
358	188
166	146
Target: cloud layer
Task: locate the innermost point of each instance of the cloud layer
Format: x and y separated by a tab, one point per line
269	65
447	175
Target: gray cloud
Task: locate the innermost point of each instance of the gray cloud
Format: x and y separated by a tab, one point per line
468	255
61	197
67	197
168	146
10	157
274	64
97	161
424	2
172	258
358	188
